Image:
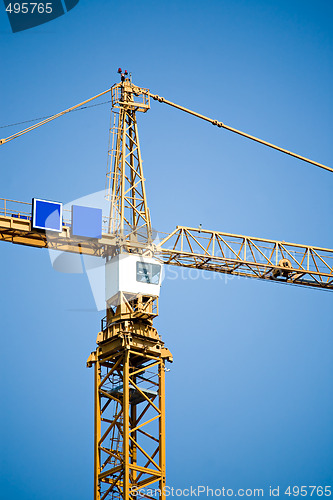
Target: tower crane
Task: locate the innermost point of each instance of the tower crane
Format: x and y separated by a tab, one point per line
130	357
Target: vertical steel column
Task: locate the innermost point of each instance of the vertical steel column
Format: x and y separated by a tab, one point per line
129	451
132	169
162	453
97	437
133	448
145	206
129	213
126	426
123	114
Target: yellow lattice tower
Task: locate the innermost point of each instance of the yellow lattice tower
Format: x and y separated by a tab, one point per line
130	357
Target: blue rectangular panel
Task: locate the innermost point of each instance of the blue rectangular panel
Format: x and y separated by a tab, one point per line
47	215
86	221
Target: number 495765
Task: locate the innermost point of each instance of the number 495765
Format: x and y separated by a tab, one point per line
303	491
29	8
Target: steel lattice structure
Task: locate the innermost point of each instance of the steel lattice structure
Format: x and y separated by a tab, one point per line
216	251
129	360
129	414
250	257
129	214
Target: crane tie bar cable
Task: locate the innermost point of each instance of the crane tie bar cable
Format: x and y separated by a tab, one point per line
48	119
239	132
49	116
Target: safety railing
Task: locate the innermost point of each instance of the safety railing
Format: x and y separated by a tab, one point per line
23	210
13	208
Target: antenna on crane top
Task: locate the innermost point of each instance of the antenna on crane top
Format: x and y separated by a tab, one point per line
122	74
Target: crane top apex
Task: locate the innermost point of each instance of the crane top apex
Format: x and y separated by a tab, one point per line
125	95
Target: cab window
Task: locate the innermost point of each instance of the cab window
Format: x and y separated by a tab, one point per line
148	273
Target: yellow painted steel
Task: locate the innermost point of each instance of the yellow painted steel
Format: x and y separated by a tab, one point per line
162	457
126	424
129	416
129	361
97	427
47	120
239	132
247	256
126	95
198	248
129	214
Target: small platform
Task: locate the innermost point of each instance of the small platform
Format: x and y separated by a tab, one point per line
135	397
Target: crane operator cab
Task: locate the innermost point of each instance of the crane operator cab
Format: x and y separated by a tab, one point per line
130	276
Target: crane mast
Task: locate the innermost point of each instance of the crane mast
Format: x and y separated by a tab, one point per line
130	358
129	214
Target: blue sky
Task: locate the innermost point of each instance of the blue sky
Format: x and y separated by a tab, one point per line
249	396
